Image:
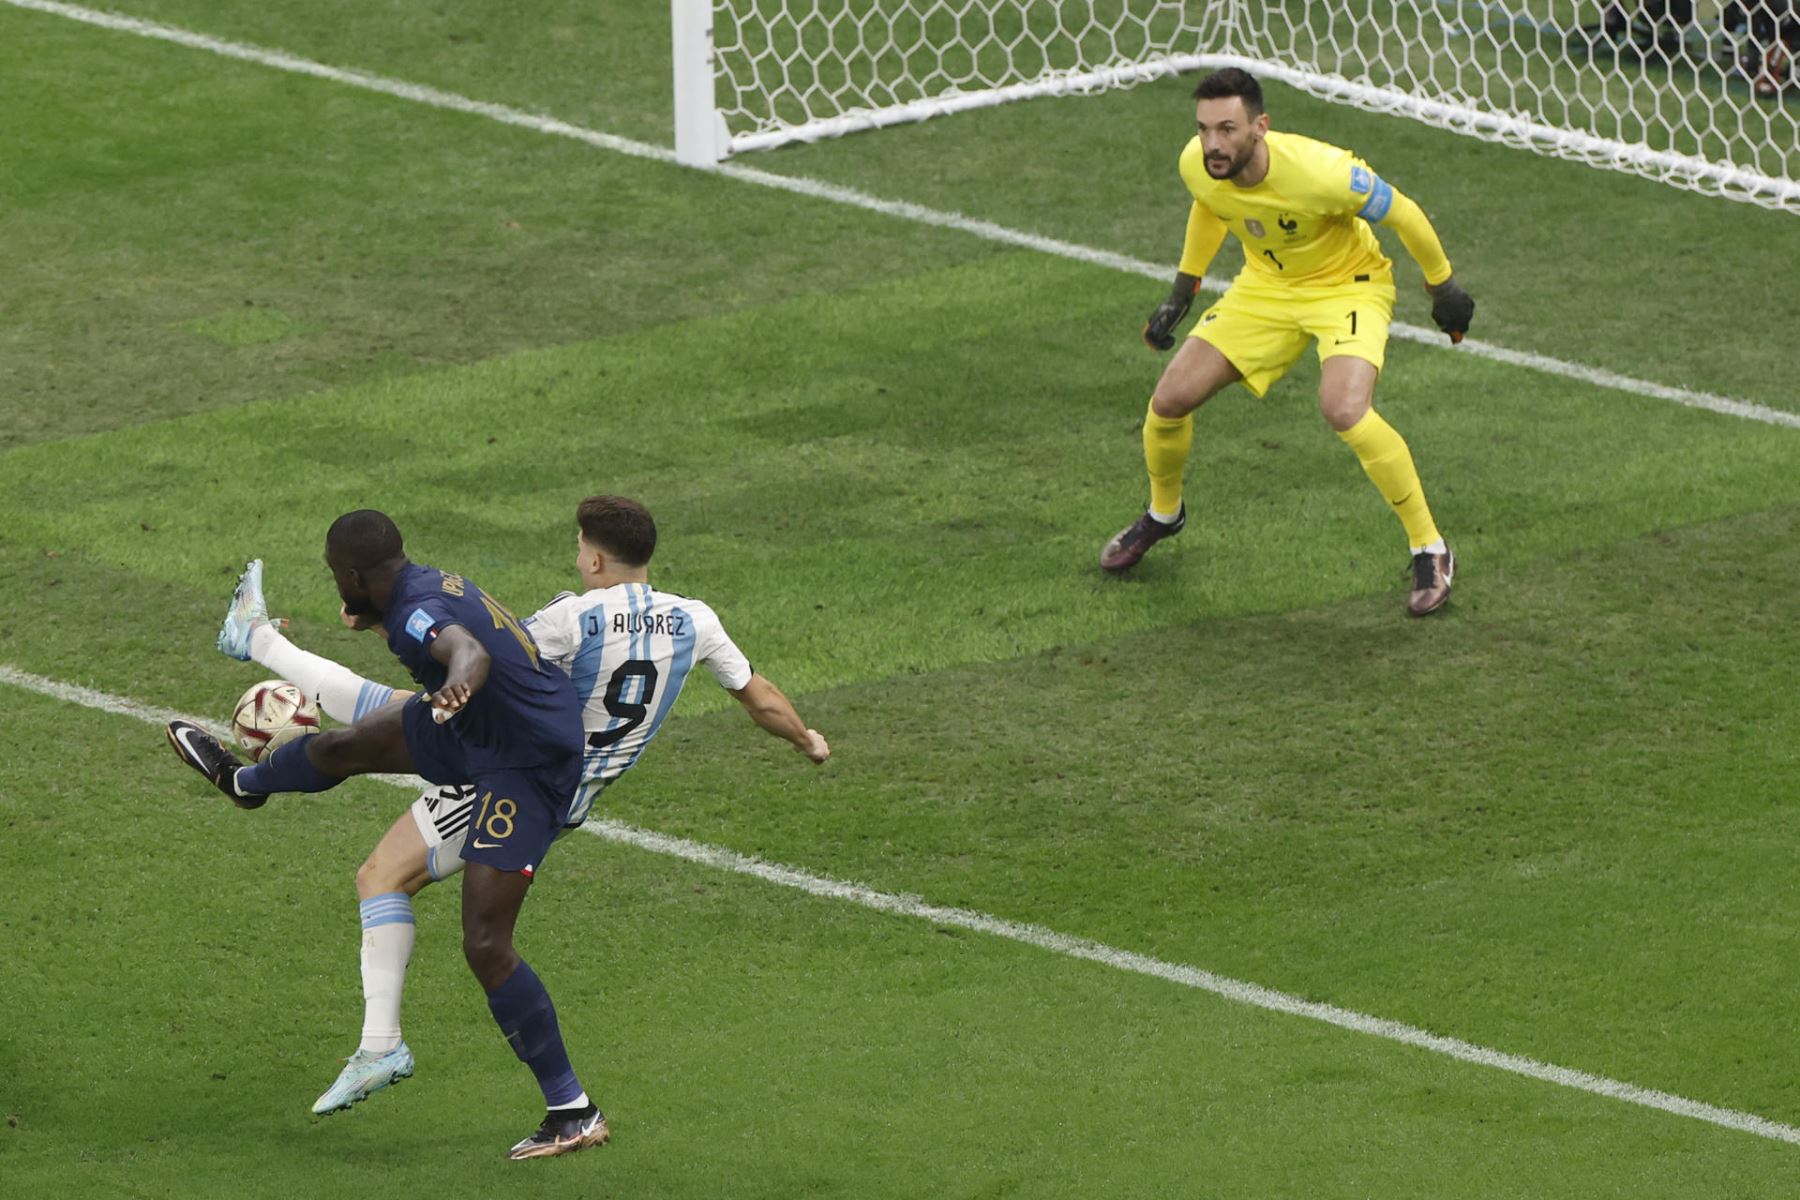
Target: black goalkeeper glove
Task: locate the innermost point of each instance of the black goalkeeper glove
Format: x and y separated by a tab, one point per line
1451	307
1159	329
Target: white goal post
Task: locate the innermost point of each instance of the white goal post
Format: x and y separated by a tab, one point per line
1700	94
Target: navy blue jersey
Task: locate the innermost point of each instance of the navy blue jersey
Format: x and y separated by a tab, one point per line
527	714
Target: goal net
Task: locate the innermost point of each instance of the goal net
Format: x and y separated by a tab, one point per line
1695	93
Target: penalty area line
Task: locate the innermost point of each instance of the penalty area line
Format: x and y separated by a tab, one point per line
1238	991
833	193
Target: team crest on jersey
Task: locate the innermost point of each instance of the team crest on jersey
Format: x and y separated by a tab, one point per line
1255	227
1360	180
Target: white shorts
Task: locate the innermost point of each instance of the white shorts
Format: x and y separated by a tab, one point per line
442	815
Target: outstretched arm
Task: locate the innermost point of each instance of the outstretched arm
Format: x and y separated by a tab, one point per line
1205	234
467	661
1451	307
1420	239
773	711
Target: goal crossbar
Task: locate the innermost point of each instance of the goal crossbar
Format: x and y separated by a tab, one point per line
801	71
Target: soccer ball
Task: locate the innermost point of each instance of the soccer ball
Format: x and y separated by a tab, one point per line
271	714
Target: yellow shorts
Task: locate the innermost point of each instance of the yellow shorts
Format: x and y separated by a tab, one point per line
1263	328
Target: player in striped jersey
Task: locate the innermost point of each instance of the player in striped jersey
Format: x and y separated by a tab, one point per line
629	650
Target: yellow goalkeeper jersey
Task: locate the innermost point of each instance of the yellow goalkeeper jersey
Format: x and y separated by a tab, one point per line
1307	221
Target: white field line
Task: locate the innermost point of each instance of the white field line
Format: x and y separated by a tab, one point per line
718	858
722	859
819	190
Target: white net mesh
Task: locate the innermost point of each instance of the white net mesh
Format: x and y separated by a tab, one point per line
1702	95
1697	93
813	68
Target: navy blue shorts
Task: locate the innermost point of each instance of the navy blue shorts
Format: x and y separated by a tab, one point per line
517	812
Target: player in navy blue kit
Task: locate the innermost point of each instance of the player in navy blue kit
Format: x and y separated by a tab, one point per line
495	715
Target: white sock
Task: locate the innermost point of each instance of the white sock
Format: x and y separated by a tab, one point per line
1165	518
580	1101
341	692
1436	547
387	945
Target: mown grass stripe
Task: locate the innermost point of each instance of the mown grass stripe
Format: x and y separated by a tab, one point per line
1239	991
820	190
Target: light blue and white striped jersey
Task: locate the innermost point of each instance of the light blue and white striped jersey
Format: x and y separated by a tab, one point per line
629	649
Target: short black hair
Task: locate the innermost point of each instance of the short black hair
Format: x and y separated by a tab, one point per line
622	527
363	539
1231	81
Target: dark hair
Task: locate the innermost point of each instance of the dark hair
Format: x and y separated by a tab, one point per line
1230	81
619	526
363	539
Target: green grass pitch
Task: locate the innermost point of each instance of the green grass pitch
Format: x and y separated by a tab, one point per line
1556	820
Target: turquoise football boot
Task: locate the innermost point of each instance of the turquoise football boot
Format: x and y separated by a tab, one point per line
366	1071
247	611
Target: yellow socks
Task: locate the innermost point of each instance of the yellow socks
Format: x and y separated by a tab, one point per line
1389	465
1378	447
1166	444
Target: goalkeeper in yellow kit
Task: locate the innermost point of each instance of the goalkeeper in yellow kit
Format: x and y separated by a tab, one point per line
1313	272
